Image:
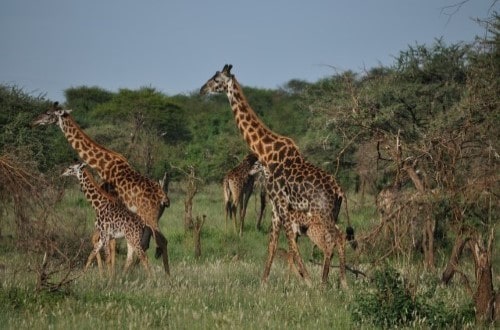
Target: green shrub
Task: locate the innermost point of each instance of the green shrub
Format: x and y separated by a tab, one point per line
390	301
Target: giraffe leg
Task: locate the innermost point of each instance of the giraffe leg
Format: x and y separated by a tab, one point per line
322	237
341	248
291	264
144	259
327	248
95	239
294	250
110	256
146	238
234	209
243	207
92	255
227	210
130	255
262	208
242	220
107	254
112	253
273	244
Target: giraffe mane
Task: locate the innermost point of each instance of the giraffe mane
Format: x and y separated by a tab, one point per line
97	186
85	135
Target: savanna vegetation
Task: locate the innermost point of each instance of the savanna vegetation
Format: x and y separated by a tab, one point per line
415	144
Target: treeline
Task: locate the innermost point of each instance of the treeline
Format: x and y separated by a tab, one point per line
343	123
156	132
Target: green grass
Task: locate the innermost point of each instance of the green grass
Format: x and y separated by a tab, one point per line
222	289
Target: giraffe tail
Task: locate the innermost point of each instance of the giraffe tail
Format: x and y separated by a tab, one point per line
161	241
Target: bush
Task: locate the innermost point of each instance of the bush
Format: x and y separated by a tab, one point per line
392	301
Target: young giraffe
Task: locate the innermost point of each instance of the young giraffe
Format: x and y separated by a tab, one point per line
324	234
113	220
293	183
140	194
238	187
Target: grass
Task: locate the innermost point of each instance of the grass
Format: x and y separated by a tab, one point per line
222	289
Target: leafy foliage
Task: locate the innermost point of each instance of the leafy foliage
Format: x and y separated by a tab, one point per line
390	302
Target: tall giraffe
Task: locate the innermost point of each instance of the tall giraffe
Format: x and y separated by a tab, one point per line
293	183
113	220
140	194
238	186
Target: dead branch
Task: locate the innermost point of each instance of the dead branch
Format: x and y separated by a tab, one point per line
197	235
66	269
352	270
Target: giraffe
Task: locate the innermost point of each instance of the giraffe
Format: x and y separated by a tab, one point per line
238	186
293	183
140	194
324	234
113	220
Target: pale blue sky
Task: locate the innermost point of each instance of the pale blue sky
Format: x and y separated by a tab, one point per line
176	45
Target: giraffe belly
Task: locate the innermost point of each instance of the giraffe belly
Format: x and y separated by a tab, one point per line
117	233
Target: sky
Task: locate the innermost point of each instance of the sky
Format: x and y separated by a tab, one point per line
174	46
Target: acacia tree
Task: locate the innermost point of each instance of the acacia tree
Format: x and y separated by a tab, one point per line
430	121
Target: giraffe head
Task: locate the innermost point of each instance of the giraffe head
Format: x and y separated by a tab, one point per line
257	167
74	169
51	116
219	82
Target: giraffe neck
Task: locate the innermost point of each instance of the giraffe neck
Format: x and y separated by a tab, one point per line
94	194
267	145
95	155
256	134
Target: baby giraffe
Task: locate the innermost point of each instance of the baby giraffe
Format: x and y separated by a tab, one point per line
113	220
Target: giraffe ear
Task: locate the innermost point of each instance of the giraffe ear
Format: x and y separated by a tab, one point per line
227	69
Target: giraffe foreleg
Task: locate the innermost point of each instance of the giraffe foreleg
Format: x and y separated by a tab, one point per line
95	239
106	246
95	251
112	253
130	255
271	249
294	250
327	248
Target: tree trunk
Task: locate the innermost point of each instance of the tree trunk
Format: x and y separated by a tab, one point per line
188	213
197	236
484	297
192	189
456	253
428	241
